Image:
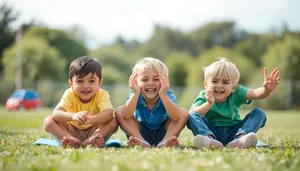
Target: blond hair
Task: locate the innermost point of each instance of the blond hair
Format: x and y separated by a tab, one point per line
222	68
149	63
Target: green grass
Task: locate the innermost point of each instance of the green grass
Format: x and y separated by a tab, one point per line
18	130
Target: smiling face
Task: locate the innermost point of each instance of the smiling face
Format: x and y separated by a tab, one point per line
85	87
222	87
149	83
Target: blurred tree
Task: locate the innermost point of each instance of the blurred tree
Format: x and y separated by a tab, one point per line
128	46
7	36
116	60
165	40
68	46
286	56
178	68
254	46
40	61
223	34
79	33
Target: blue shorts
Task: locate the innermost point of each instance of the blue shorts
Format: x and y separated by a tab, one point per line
153	137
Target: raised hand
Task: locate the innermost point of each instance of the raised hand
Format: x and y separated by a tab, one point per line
210	96
165	85
132	82
80	117
271	80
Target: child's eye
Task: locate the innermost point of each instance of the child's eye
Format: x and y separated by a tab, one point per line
156	79
214	81
143	80
79	81
92	81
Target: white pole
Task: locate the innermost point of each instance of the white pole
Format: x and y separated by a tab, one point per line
19	59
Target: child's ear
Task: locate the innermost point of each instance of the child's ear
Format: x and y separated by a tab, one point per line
234	88
70	83
100	83
205	84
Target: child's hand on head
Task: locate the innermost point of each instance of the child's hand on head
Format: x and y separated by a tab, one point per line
80	117
133	83
210	96
165	85
271	81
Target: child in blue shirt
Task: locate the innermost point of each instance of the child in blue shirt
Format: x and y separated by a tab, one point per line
214	116
150	116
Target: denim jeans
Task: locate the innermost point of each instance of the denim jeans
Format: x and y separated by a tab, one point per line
153	137
253	121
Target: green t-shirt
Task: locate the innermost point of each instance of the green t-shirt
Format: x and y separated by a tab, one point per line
225	113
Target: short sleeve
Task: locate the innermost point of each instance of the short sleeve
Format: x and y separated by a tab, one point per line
104	100
172	97
199	100
240	95
66	100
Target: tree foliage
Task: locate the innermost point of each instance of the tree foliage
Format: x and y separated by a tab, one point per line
178	64
7	17
68	46
254	46
223	34
165	41
40	61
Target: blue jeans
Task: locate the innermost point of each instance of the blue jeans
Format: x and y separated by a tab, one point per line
153	137
253	121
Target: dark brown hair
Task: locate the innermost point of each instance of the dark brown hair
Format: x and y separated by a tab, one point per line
83	66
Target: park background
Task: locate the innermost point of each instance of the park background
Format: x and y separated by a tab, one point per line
47	50
46	53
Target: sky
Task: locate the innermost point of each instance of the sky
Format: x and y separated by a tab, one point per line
103	20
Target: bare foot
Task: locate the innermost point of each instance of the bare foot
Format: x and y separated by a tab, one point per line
170	142
70	142
96	141
134	141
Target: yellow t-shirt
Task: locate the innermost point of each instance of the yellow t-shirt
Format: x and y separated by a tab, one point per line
71	103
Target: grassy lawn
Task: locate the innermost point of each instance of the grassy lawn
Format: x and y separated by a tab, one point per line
18	130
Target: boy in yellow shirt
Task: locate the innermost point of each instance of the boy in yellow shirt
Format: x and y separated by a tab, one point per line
84	115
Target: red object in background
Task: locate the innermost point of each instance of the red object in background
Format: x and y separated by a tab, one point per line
24	99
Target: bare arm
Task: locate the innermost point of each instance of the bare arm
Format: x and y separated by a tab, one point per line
130	105
172	109
205	107
270	83
101	118
60	114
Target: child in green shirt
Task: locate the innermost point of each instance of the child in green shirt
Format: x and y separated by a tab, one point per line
214	116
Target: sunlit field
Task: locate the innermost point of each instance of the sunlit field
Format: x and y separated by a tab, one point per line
18	130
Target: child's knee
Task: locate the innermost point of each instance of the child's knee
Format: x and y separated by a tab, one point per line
118	112
48	122
260	113
114	125
184	115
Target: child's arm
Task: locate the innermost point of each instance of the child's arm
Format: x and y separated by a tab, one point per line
172	109
205	107
61	115
270	83
101	118
130	105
